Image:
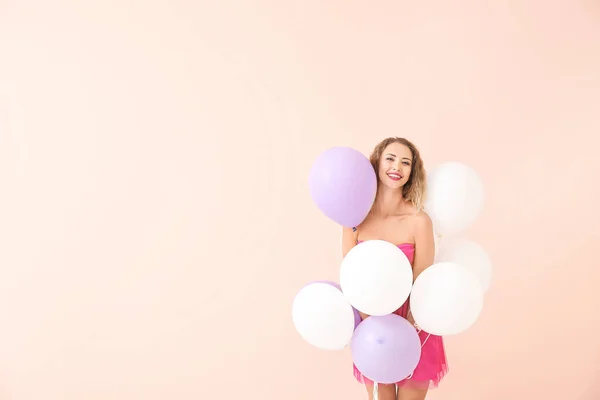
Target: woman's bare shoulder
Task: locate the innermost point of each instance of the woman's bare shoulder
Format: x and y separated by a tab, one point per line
422	221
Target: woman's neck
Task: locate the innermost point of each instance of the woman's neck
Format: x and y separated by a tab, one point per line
388	201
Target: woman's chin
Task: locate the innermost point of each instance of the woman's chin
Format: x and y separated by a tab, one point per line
393	185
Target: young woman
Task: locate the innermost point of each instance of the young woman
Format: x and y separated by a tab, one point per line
397	216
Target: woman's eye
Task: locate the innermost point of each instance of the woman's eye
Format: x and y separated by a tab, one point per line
390	159
406	163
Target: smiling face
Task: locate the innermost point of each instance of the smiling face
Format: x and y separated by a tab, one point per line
395	165
399	165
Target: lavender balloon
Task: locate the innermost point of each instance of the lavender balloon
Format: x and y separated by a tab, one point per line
386	349
343	185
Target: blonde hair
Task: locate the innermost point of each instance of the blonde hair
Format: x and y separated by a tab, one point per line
415	189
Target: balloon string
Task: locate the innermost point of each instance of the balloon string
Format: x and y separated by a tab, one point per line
427	338
375	392
423	344
419	330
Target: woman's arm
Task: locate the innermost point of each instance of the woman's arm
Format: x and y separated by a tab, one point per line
348	240
424	244
424	248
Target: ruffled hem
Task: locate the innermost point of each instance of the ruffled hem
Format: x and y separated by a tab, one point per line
426	384
432	383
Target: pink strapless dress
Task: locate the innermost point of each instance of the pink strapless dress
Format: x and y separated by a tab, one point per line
432	366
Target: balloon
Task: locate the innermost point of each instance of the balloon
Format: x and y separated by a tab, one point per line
455	197
436	243
357	317
343	185
376	277
386	349
323	317
446	299
468	254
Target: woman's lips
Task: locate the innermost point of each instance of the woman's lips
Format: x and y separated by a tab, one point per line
395	177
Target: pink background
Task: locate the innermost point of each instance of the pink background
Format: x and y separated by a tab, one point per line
155	219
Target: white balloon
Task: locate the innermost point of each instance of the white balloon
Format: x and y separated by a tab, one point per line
323	316
455	197
436	243
468	254
446	299
376	277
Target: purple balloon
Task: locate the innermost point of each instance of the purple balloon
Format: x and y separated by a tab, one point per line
386	349
357	318
343	185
